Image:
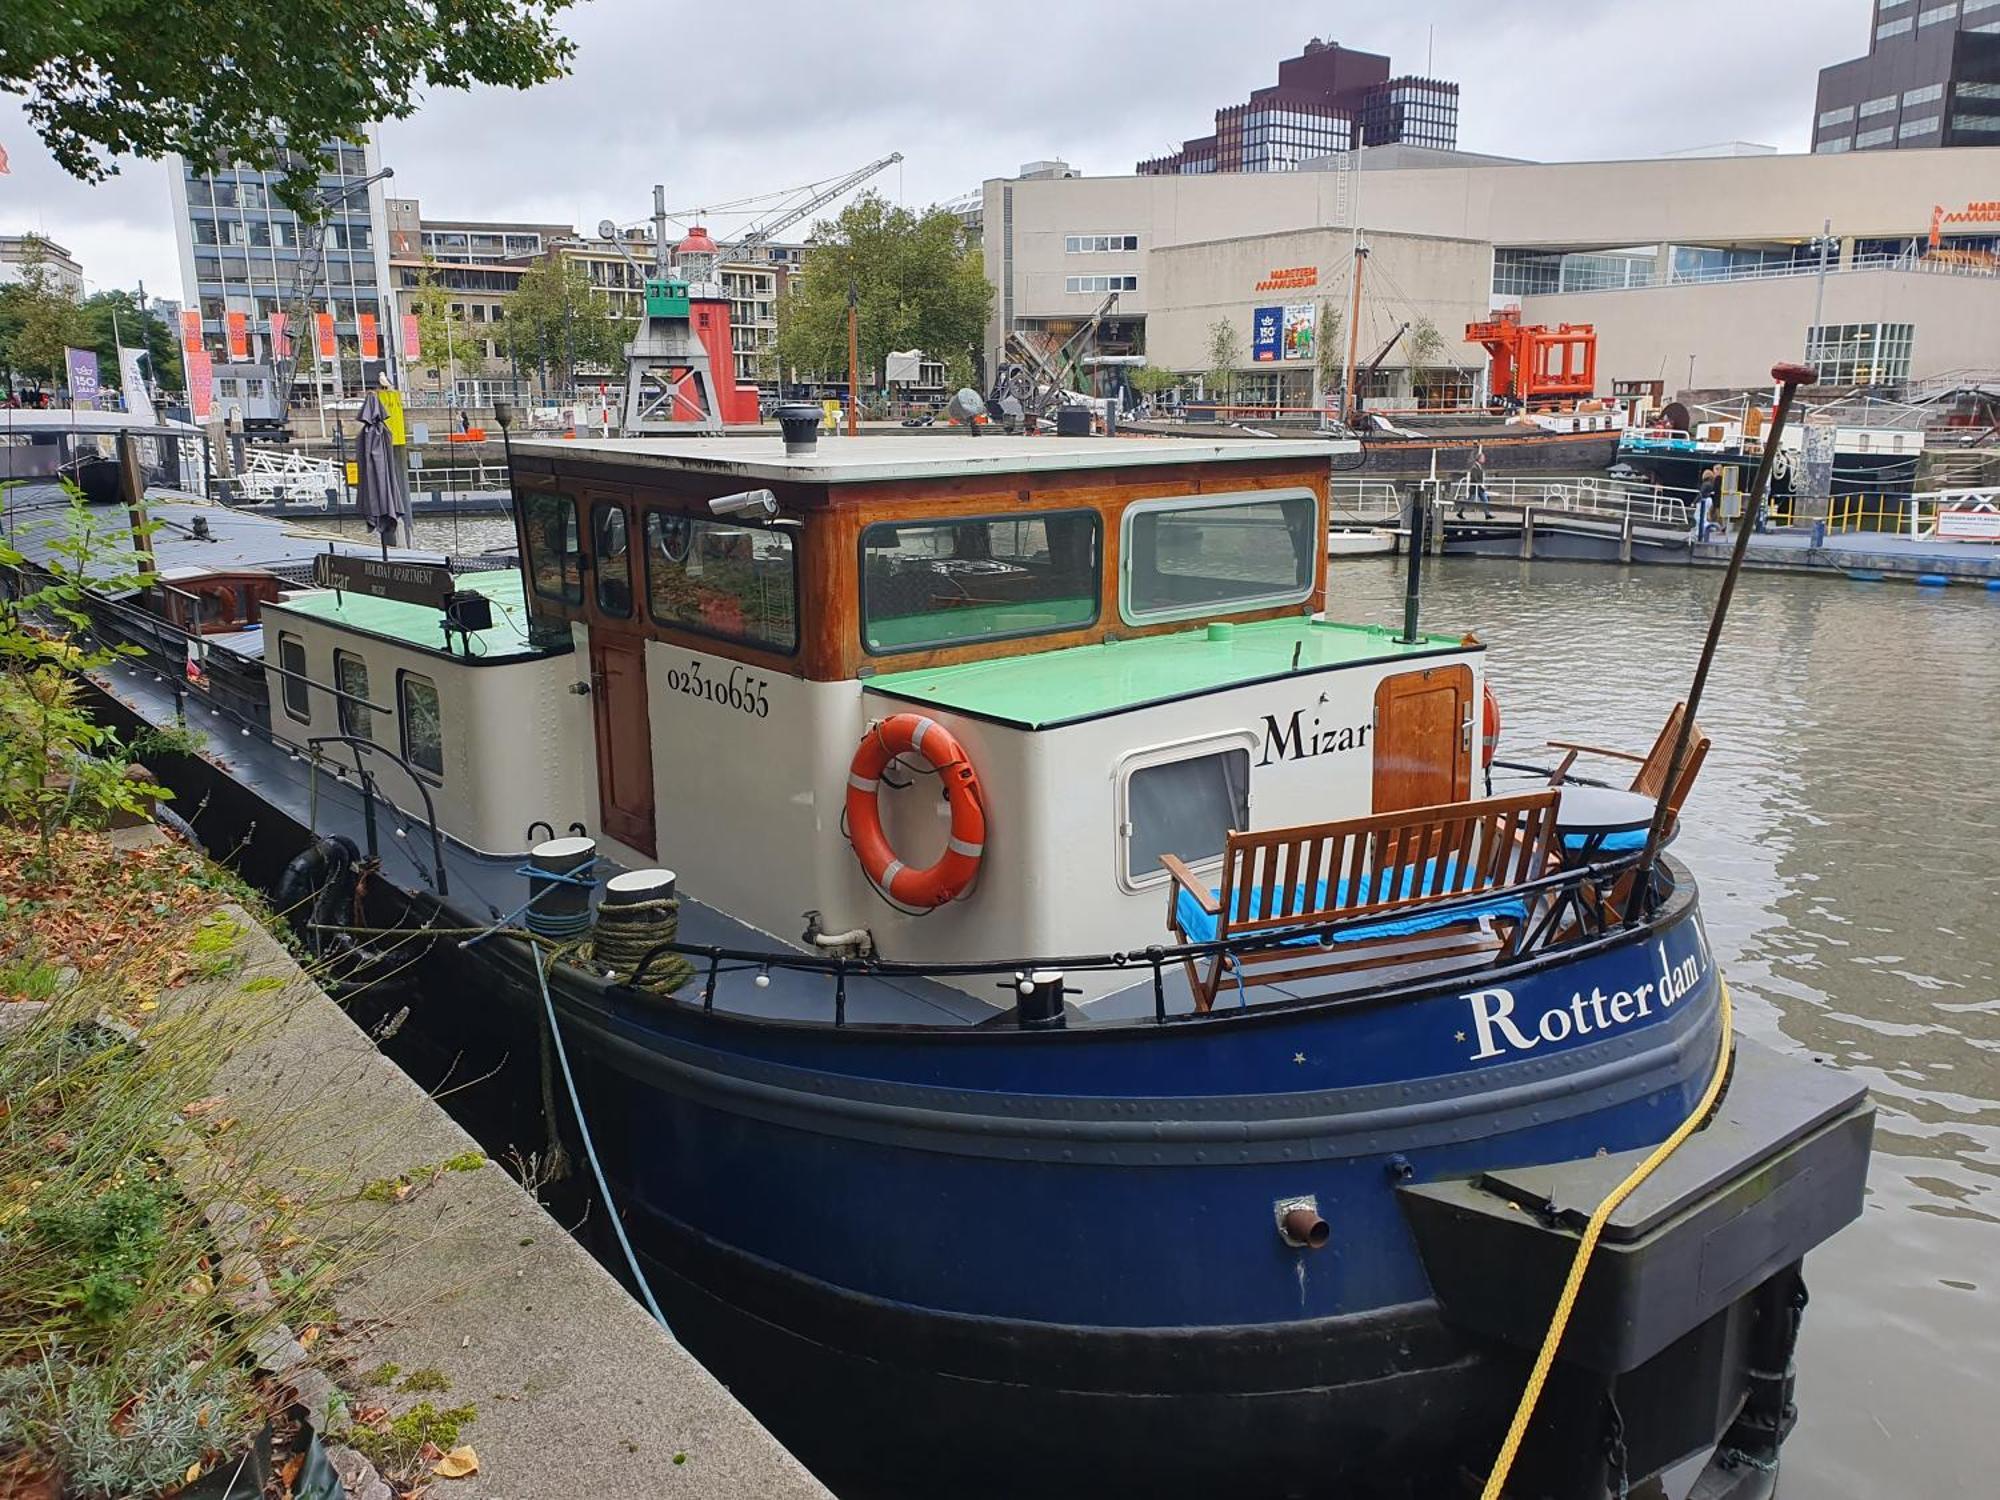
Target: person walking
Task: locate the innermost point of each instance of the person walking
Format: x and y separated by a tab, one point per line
1704	502
1475	484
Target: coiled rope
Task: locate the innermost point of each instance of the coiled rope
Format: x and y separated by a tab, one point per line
627	931
1592	1231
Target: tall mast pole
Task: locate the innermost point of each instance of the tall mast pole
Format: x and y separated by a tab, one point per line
854	358
1347	402
660	230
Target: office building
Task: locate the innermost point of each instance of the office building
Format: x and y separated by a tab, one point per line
478	264
246	258
1931	78
752	280
1706	258
1325	99
58	267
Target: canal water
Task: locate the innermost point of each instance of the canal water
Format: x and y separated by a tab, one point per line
1846	834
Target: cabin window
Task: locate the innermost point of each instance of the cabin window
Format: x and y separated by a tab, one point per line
611	539
555	560
350	675
738	583
296	691
1198	557
945	583
1184	805
423	729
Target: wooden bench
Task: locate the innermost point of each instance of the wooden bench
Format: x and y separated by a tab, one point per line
1390	865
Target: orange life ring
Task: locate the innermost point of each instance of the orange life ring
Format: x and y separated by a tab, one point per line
1489	713
916	891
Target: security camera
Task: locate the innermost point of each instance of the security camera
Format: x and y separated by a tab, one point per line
754	505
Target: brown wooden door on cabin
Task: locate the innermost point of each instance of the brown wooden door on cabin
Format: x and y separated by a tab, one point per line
624	738
1423	738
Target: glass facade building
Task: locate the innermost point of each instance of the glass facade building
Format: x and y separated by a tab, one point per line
244	257
1326	99
1931	78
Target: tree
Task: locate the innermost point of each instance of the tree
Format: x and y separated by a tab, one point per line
557	321
1427	345
38	321
1332	357
114	315
920	287
443	336
1152	380
1225	354
101	78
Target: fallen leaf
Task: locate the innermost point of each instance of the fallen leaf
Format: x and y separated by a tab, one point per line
372	1416
193	1473
288	1471
457	1463
201	1106
308	1336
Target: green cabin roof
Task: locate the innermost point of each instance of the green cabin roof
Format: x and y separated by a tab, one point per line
1046	689
419	626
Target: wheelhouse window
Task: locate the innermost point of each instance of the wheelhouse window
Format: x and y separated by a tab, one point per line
944	583
423	728
1199	557
296	691
611	539
1184	807
350	675
738	583
555	560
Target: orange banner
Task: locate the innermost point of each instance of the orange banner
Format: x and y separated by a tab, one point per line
323	324
201	385
191	330
370	347
238	325
413	343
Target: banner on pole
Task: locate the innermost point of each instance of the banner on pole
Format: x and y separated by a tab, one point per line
82	364
133	383
370	348
238	325
191	330
413	344
201	384
281	344
323	322
1266	326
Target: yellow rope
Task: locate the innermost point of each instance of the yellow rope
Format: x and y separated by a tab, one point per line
1524	1413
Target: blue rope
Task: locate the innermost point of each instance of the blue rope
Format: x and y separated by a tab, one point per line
590	1149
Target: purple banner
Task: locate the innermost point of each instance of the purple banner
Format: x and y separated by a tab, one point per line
82	378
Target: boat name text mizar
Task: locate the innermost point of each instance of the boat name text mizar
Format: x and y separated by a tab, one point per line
1297	739
1497	1030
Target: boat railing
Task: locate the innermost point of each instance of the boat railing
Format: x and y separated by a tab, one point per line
1566	909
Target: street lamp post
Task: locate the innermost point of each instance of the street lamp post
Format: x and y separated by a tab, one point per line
1825	244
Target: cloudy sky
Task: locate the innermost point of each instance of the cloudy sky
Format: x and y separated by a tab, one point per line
792	92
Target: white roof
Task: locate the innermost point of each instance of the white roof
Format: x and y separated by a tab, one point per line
850	460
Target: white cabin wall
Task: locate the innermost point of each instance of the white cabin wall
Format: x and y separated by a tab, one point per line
497	774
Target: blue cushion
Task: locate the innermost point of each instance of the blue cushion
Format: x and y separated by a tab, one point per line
1631	841
1198	926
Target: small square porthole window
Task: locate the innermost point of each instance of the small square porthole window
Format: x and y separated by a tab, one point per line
1184	804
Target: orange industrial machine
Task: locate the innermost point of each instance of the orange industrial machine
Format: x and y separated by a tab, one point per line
1536	363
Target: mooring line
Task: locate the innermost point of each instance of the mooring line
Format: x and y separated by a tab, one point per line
589	1147
1566	1304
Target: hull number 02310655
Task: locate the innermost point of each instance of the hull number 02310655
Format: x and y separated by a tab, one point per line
739	690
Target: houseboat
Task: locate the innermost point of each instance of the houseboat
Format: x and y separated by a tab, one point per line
1055	1008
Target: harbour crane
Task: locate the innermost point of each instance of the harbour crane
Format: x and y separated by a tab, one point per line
1040	379
763	233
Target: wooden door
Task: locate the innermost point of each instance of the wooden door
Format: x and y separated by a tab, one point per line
1423	738
624	738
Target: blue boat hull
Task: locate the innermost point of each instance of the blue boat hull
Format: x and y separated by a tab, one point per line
1010	1258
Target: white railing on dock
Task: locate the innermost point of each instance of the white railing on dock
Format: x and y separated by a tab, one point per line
285	476
1362	501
